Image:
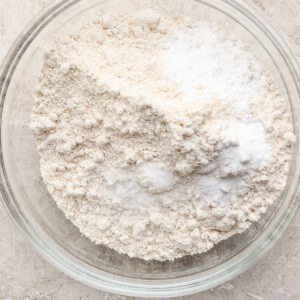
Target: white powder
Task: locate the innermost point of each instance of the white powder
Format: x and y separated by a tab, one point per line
251	151
159	137
209	58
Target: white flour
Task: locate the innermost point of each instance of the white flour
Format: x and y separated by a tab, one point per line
159	138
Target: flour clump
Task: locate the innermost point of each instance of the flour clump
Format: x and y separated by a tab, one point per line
159	137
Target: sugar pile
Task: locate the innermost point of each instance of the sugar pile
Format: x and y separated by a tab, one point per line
159	137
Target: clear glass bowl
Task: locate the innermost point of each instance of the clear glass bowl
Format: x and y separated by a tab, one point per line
33	210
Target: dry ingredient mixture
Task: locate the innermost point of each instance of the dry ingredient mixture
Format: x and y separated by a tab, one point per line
159	136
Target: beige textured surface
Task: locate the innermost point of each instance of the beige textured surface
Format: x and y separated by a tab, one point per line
25	275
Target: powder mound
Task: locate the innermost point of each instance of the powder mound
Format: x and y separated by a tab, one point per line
159	137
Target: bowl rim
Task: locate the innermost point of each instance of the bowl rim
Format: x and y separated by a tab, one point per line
118	284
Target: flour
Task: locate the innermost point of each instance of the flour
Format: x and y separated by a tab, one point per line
159	137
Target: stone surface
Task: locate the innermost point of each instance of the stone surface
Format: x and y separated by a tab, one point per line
25	275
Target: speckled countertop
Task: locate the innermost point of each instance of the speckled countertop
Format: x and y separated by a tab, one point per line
25	275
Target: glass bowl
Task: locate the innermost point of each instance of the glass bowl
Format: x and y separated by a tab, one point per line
33	210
